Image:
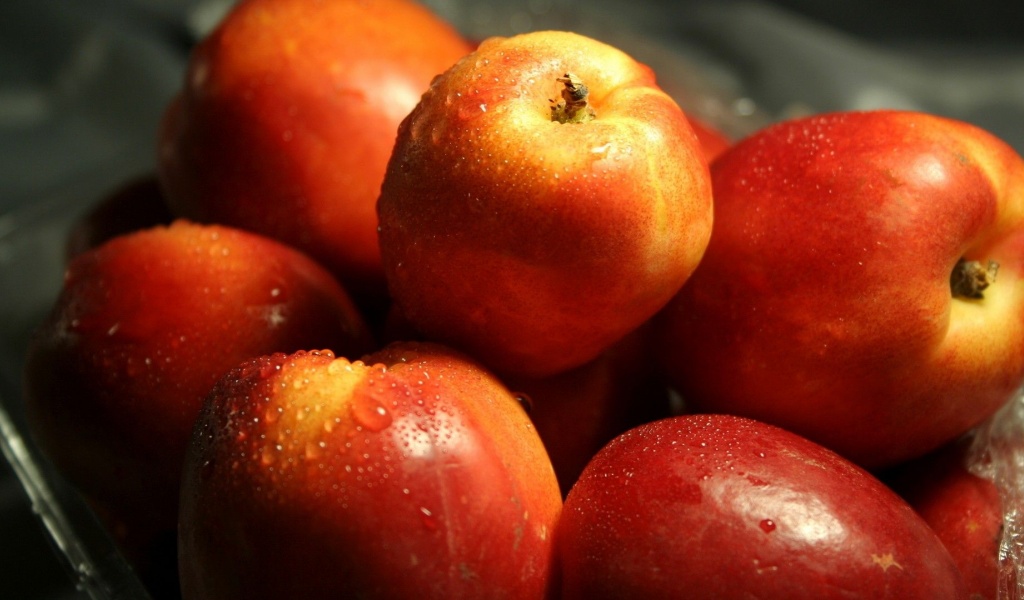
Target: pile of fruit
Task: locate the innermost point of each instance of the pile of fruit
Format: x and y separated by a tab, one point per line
402	316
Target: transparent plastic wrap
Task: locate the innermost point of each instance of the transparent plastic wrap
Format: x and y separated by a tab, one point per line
997	454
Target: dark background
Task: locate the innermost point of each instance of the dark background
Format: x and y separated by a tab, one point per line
82	85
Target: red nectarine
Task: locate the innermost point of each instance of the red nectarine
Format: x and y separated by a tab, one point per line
543	200
288	116
722	507
412	473
832	299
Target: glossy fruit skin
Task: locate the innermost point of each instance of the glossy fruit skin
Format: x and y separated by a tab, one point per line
964	508
532	244
287	117
144	326
823	303
717	506
410	474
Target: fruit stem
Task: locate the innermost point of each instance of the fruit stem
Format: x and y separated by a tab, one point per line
573	108
970	278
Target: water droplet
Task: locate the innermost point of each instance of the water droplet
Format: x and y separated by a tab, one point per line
767	525
428	518
314	451
267	369
370	414
468	111
525	401
271	414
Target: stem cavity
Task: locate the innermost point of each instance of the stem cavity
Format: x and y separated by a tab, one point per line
970	278
573	107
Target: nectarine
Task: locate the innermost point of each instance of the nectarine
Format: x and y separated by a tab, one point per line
543	200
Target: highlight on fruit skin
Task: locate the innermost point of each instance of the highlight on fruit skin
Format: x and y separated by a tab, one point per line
531	243
411	473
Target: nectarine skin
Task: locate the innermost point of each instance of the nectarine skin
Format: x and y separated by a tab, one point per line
412	473
723	507
144	326
824	302
531	243
288	116
964	509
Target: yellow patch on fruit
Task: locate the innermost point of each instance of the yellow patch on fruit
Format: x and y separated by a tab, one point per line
308	397
885	561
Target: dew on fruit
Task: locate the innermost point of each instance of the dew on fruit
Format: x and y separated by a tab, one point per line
268	369
767	525
468	112
314	451
428	519
370	414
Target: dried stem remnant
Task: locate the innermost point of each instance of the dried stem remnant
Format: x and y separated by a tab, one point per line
970	278
573	107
